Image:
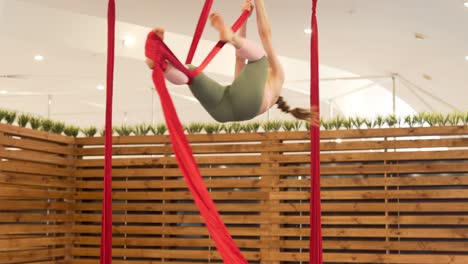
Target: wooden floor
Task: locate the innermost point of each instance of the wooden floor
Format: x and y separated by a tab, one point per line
388	196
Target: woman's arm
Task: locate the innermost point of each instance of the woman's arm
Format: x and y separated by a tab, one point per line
240	62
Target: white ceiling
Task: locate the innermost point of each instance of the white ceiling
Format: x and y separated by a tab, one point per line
357	38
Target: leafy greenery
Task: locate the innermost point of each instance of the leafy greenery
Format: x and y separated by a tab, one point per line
159	129
3	114
194	128
379	121
123	130
338	122
213	128
71	131
58	127
46	125
142	129
35	122
272	126
251	127
23	119
392	120
292	125
10	117
90	131
409	120
232	127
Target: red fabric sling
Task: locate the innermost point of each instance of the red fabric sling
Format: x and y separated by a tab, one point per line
106	223
315	252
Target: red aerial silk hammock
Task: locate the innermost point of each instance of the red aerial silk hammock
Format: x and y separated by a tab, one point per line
315	252
160	53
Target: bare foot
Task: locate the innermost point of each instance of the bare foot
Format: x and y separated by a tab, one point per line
150	63
159	32
225	33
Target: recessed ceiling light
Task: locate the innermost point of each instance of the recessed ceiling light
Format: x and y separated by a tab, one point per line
466	4
308	31
129	41
466	58
339	140
100	87
427	77
3	92
419	36
39	57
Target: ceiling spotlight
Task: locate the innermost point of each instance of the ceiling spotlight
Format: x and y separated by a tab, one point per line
38	58
100	87
419	36
3	92
427	77
129	41
308	31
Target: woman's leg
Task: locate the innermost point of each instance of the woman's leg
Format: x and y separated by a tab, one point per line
245	49
240	60
172	74
264	31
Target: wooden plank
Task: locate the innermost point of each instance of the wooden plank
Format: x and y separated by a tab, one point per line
33	156
34	217
161	161
394	132
32	242
286	195
257	219
369	195
304	135
33	180
12	229
31	256
283	147
298	244
166	242
290	170
38	145
365	232
14	205
459	207
198	138
150	196
393	144
389	156
36	134
283	159
25	193
374	258
303	183
158	253
34	168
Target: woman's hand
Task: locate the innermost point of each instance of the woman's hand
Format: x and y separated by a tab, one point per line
315	116
248	6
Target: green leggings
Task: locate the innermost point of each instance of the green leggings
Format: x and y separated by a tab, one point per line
236	102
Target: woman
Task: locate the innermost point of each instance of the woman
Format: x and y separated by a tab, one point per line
257	85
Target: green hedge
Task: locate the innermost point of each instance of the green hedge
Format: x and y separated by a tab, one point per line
390	121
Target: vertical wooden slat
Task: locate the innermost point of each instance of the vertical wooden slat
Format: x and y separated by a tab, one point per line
270	240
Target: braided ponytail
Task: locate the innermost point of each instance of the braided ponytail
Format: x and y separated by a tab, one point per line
299	113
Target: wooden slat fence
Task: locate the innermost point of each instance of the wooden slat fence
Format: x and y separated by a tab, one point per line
389	196
36	196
